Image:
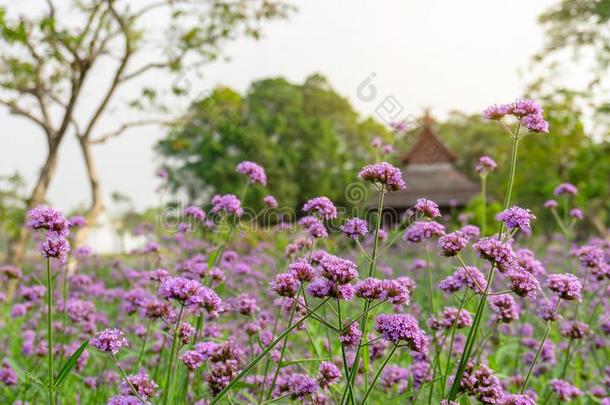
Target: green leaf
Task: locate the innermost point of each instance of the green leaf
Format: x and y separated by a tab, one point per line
65	370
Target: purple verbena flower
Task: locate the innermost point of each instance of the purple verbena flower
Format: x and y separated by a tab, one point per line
566	286
285	285
452	243
383	174
421	230
329	374
270	201
504	307
321	206
495	251
142	383
109	341
565	189
228	204
339	270
355	228
564	390
516	217
254	171
402	327
485	165
427	208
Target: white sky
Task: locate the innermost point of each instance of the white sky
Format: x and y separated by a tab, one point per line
429	53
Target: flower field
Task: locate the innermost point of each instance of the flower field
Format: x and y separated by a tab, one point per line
332	309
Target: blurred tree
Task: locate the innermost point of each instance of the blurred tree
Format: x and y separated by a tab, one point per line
579	27
309	139
12	207
47	60
565	154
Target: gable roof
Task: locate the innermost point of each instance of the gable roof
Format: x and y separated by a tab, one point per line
428	147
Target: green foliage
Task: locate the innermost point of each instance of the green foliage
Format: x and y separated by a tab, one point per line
308	138
12	205
565	154
581	28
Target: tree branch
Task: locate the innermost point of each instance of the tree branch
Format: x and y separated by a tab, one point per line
118	73
113	134
14	108
143	69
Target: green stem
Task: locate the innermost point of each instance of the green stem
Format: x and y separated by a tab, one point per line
430	282
483	205
50	333
566	361
564	230
268	360
64	297
283	350
472	334
529	372
169	376
143	348
451	341
124	376
374	382
480	309
345	365
367	304
264	353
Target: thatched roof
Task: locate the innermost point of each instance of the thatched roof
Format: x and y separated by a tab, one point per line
430	172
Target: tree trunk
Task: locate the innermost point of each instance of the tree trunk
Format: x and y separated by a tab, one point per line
96	206
18	244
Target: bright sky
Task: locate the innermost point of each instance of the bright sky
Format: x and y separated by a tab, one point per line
429	53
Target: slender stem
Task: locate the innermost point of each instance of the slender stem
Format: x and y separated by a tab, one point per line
347	325
474	280
377	228
451	341
264	353
367	304
283	351
124	376
566	361
480	309
50	333
268	360
143	348
483	205
511	178
374	382
169	376
529	372
472	334
64	297
564	230
345	365
430	282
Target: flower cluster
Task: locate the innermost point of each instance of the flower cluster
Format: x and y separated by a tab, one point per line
109	340
55	245
516	217
422	230
485	165
427	208
227	204
384	175
355	228
398	328
254	171
528	112
321	206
